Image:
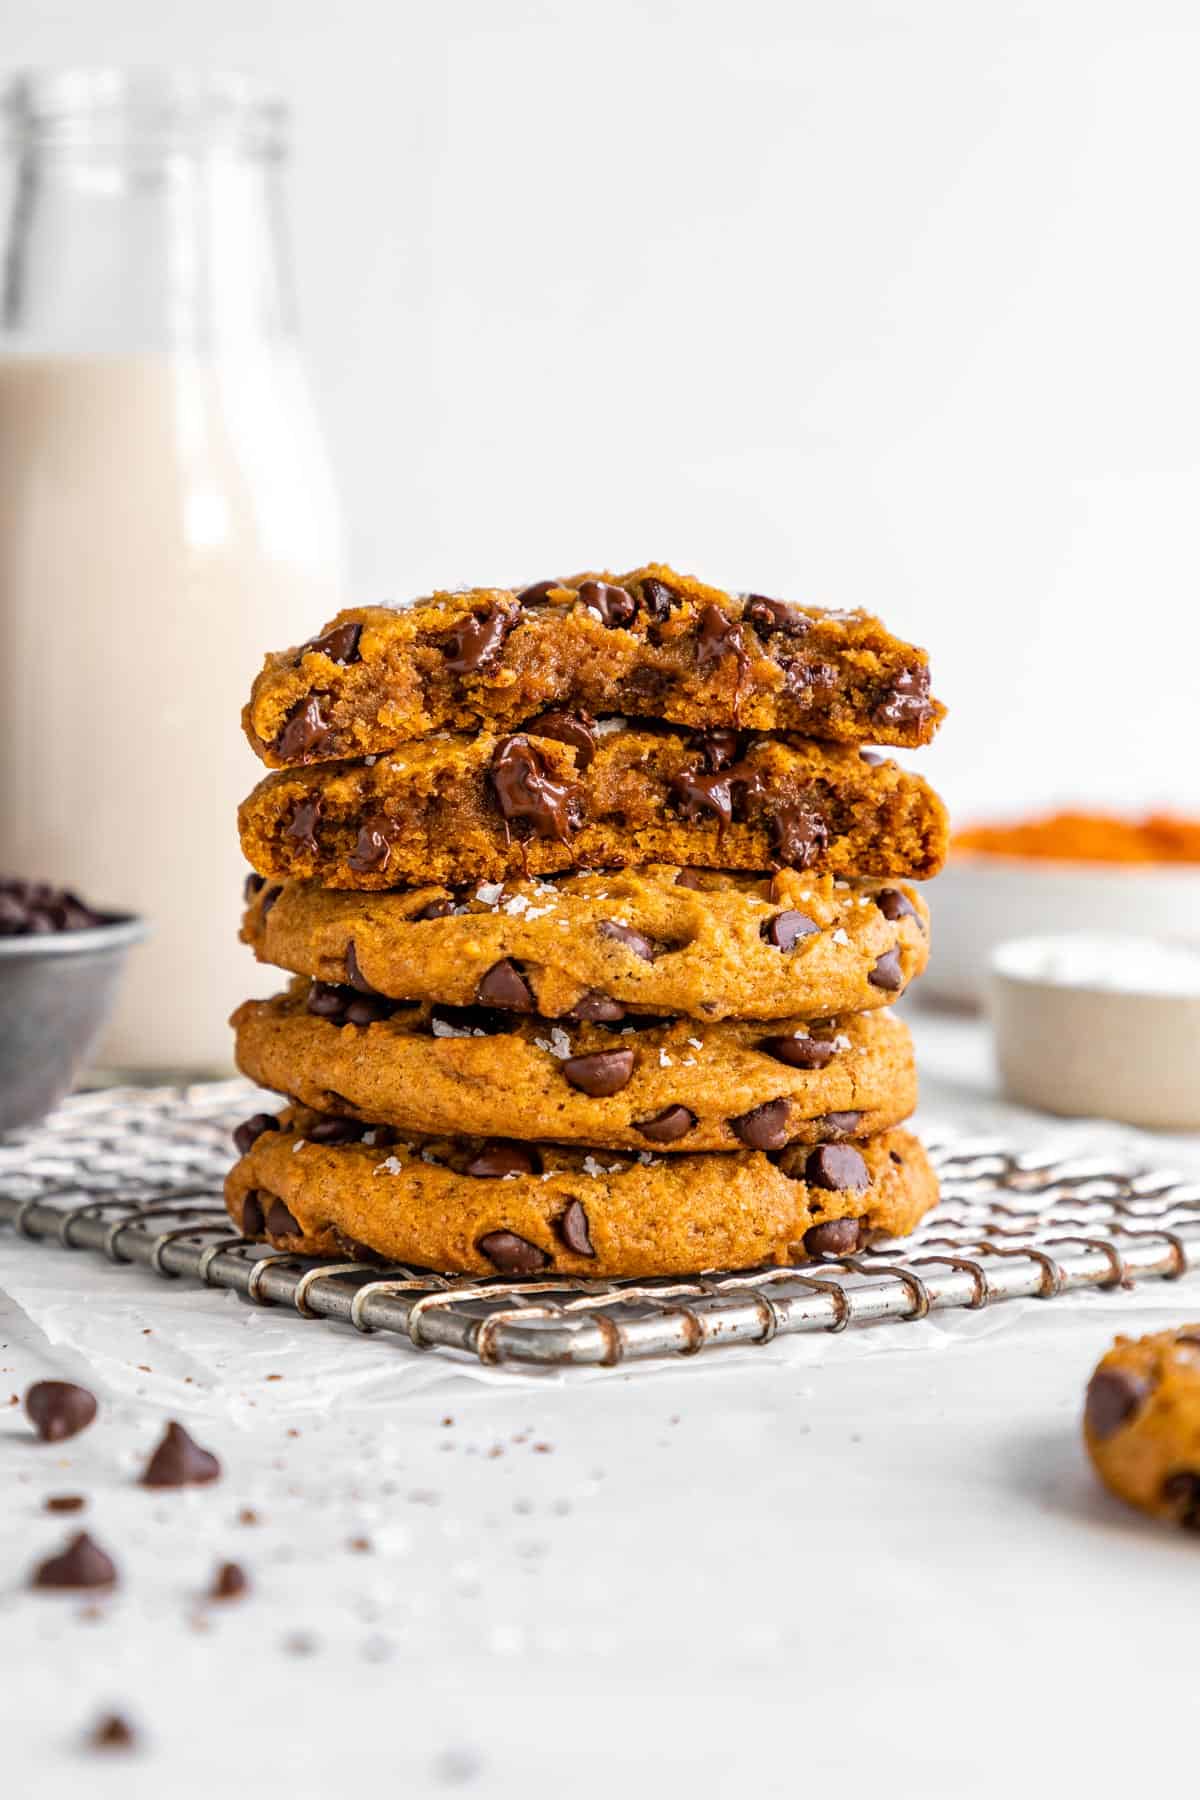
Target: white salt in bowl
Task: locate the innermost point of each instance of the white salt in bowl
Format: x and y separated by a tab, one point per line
1099	1026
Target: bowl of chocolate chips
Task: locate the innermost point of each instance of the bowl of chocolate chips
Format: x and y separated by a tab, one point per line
60	961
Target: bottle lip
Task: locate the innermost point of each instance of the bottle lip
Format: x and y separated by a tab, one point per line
180	109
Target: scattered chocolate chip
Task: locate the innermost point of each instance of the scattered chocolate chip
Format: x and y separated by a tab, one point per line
887	973
336	1131
302	826
658	597
179	1461
354	974
574	729
837	1167
498	1157
786	928
625	934
306	731
689	878
720	749
35	909
1113	1396
251	1129
252	1216
839	1124
596	1008
776	615
537	594
717	638
799	1052
64	1503
59	1409
612	605
573	1228
1181	1491
340	645
252	885
506	987
526	791
112	1732
764	1127
510	1254
230	1582
668	1126
281	1223
896	905
475	642
798	835
602	1073
907	701
836	1237
83	1564
373	846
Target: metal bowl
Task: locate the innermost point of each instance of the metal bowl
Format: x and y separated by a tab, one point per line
56	992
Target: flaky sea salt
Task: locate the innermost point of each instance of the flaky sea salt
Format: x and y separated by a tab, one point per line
488	892
299	1145
840	937
558	1043
391	1166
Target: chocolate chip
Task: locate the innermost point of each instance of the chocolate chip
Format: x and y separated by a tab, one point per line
786	928
230	1582
35	909
112	1732
809	677
510	1254
373	846
83	1564
837	1166
59	1409
776	615
613	605
497	1157
252	1216
602	1073
896	905
179	1461
839	1124
326	1001
799	1052
696	795
354	974
573	1228
666	1127
907	701
625	934
658	598
476	641
268	900
596	1008
574	729
252	885
251	1129
1113	1396
689	878
798	835
537	594
872	758
717	638
437	909
369	1009
340	645
1181	1491
720	749
336	1131
302	826
281	1223
305	732
526	791
64	1503
887	973
836	1237
764	1127
506	987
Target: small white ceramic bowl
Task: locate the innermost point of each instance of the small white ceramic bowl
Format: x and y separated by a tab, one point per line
1099	1027
978	901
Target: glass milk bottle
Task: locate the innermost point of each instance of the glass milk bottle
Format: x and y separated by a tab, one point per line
167	516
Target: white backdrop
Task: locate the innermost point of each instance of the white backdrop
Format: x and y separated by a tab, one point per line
880	304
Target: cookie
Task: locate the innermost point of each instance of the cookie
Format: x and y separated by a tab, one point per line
651	643
453	808
1141	1423
702	944
461	1204
670	1084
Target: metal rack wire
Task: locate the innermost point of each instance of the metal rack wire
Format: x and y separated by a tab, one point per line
135	1173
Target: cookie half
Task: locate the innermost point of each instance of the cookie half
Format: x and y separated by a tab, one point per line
669	1085
1141	1423
466	1205
702	944
454	808
651	642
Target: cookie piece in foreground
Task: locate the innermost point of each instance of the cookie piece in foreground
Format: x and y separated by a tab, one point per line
666	1085
1141	1423
652	643
455	808
466	1205
702	944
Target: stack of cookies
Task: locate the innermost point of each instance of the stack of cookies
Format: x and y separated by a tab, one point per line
594	906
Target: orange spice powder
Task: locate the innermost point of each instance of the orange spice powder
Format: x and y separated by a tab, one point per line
1088	837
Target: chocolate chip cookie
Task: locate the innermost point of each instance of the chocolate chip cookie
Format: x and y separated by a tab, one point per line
330	1187
704	944
494	1071
1141	1423
454	808
651	643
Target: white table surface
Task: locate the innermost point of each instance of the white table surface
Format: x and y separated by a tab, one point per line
875	1562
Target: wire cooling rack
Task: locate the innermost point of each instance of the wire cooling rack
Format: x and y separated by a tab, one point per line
135	1173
